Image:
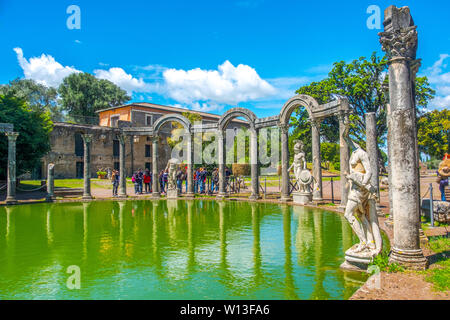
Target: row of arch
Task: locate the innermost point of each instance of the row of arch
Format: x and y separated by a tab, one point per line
315	111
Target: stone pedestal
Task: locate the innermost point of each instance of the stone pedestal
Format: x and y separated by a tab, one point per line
172	194
302	197
356	261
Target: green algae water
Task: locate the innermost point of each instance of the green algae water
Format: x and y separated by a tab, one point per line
174	250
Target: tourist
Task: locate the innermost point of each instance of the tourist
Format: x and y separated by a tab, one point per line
185	178
147	181
196	173
115	182
134	179
203	176
443	174
161	181
180	176
140	180
215	180
227	177
165	180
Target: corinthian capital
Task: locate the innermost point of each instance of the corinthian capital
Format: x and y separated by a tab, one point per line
399	39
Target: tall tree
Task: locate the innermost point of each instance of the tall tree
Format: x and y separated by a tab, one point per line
434	133
33	126
82	95
38	97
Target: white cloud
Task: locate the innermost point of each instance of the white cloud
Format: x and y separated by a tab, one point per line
44	69
124	80
227	85
440	80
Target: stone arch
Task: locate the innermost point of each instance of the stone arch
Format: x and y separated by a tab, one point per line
235	113
171	118
299	100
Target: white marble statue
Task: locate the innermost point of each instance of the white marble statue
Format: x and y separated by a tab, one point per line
171	167
302	175
360	213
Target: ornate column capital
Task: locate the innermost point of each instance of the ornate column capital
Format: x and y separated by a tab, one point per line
284	128
315	122
12	136
122	138
87	137
399	39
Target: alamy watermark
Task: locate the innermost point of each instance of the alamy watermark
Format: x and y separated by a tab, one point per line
237	146
374	20
74	280
74	20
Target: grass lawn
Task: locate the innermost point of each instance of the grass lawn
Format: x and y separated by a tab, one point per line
71	183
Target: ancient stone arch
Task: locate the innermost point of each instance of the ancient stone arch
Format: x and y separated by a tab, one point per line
235	113
299	100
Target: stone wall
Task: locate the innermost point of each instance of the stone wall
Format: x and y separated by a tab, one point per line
63	155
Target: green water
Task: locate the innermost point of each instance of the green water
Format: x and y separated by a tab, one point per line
174	250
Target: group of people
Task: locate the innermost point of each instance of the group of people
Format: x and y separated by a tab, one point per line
142	180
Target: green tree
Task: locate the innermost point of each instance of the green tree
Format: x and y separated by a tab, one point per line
362	82
38	97
33	126
82	95
434	133
330	153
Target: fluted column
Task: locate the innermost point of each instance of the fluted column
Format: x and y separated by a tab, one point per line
11	174
155	156
254	164
190	164
344	158
221	160
317	170
122	173
284	163
87	140
400	42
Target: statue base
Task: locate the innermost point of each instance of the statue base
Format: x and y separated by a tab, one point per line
302	197
357	261
172	194
411	259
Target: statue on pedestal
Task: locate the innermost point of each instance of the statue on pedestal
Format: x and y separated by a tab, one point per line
360	211
302	175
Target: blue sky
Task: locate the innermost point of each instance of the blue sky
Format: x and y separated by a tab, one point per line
209	55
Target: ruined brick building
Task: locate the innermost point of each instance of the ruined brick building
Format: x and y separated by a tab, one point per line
67	145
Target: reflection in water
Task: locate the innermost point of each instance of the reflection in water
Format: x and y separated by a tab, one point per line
290	292
173	250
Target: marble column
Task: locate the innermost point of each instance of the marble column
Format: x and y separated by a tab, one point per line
221	160
344	158
190	164
122	174
284	162
254	164
372	152
11	171
317	170
399	41
155	156
87	140
50	182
